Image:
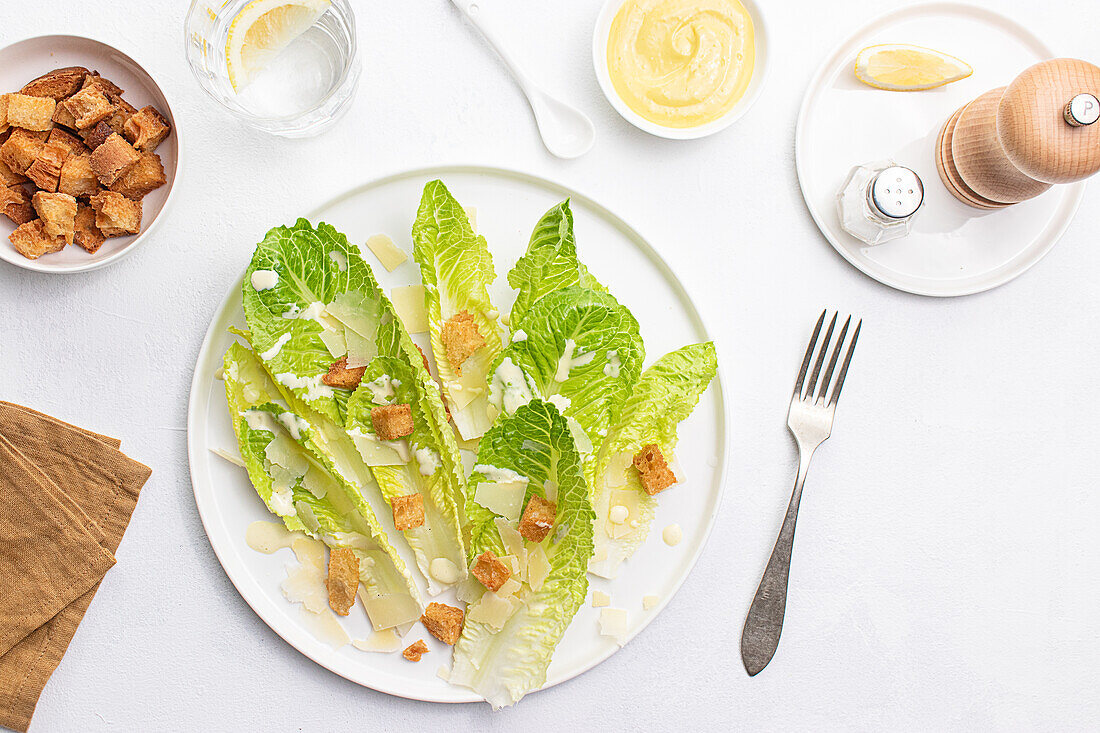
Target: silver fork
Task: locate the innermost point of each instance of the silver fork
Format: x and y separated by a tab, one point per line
810	420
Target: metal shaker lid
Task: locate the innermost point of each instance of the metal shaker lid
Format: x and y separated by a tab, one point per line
897	192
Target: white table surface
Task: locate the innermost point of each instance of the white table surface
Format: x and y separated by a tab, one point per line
947	565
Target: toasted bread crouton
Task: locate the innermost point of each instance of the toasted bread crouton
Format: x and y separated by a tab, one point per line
62	116
72	144
21	148
95	136
32	242
30	113
85	233
538	518
491	571
443	622
146	129
57	84
3	112
45	171
392	421
147	175
122	112
413	652
113	158
653	470
461	339
8	177
58	214
77	176
339	375
88	106
116	215
15	203
408	512
343	579
94	81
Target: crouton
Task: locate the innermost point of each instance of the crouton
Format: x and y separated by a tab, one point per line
338	373
392	421
343	579
147	175
15	204
8	177
30	113
443	622
78	178
72	144
116	215
85	233
88	106
21	148
122	112
45	171
95	136
413	652
94	81
113	158
3	112
653	470
57	84
538	518
58	214
490	571
461	339
32	242
408	512
146	129
62	116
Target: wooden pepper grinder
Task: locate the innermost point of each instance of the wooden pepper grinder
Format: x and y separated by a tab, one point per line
1012	143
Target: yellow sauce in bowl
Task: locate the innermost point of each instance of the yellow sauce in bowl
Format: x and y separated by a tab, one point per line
681	63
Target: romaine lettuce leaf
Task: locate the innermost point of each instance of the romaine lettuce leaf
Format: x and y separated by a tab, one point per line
297	481
457	269
422	465
503	665
664	396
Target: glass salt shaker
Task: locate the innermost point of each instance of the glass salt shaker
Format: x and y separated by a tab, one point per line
878	200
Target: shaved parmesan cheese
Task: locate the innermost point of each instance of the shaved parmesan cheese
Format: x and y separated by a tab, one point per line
580	438
325	627
379	641
492	610
649	602
443	673
502	497
470	590
600	599
267	537
513	544
305	582
538	567
375	452
387	611
388	253
408	301
317	482
335	342
264	279
613	624
508	588
360	349
235	460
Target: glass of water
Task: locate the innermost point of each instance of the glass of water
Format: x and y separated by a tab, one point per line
301	91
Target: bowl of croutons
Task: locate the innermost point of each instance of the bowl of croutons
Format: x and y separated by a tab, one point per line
89	152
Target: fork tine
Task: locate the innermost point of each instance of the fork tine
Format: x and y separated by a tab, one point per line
844	366
832	362
821	358
809	354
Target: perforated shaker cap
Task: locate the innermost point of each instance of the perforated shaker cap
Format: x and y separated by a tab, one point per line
897	192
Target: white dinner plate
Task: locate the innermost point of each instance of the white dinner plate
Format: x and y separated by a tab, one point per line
508	205
953	249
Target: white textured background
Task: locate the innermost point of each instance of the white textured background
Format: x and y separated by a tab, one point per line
947	566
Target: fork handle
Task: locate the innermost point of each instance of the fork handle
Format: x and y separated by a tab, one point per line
764	623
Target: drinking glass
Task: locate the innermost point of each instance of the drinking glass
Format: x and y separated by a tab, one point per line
302	91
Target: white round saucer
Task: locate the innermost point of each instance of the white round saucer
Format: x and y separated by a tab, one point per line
953	249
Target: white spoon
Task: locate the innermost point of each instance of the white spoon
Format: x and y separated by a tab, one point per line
566	131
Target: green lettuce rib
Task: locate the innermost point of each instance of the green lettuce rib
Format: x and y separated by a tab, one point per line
322	504
502	666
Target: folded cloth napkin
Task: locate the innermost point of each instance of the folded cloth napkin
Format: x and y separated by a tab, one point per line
66	496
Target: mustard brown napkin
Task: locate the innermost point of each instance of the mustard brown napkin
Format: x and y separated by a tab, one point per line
66	496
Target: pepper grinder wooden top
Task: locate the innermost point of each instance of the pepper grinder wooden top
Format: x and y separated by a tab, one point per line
1010	144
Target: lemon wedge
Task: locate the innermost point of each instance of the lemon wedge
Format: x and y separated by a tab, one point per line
261	30
905	68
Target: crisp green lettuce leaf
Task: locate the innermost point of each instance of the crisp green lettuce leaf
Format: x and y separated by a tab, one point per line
582	350
457	270
297	481
503	665
664	396
424	467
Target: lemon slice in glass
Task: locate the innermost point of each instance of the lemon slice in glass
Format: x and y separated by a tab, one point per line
905	68
261	30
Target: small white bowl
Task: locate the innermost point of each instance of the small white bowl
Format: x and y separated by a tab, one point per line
759	73
27	59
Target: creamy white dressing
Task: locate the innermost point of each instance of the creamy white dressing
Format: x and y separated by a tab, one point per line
381	389
618	514
274	350
259	420
267	537
340	259
492	473
313	312
583	359
565	363
518	336
509	390
293	424
559	401
315	390
444	571
427	460
672	534
611	368
264	279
